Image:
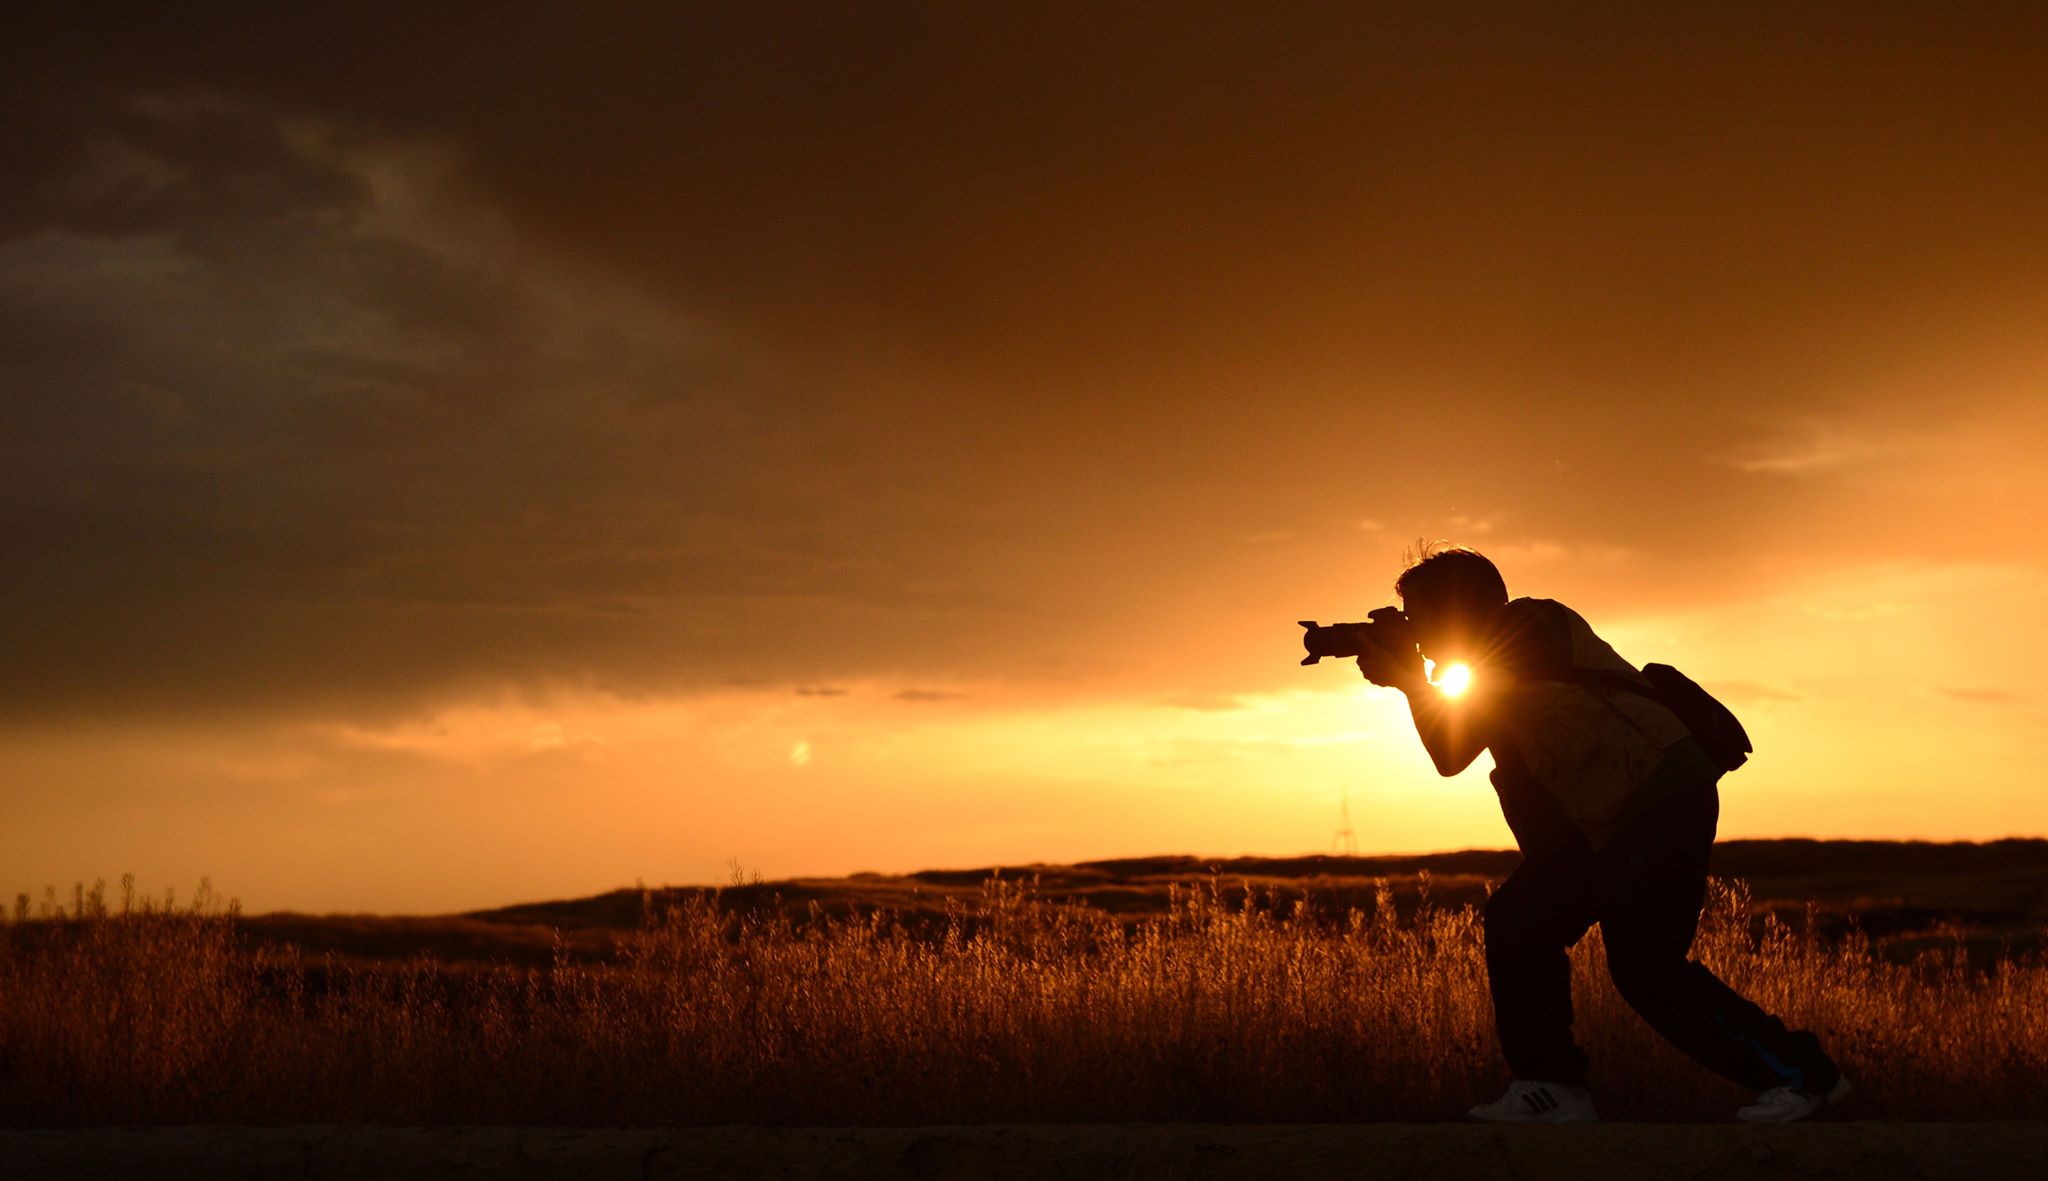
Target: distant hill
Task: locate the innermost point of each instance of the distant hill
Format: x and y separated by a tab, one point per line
1905	894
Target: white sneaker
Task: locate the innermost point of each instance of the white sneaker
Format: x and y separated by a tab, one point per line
1539	1103
1782	1105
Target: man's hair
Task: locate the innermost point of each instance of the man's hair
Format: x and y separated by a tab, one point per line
1444	573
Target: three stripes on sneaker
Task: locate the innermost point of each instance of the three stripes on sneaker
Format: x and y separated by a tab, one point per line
1540	1100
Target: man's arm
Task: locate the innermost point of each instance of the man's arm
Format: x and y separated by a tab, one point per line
1444	725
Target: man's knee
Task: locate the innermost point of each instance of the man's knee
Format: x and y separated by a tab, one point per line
1646	977
1498	916
1509	920
1538	912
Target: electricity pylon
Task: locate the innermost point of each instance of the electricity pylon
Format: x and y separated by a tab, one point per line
1346	841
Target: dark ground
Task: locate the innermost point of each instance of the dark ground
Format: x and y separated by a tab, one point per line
1126	1152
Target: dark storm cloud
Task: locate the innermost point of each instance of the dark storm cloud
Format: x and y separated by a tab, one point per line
355	357
1004	188
275	441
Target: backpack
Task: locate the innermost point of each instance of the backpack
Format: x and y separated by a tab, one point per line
1714	725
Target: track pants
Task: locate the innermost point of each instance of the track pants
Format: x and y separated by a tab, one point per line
1645	889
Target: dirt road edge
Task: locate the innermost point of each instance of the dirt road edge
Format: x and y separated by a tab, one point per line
1426	1152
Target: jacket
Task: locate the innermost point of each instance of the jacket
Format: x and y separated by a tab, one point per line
1599	753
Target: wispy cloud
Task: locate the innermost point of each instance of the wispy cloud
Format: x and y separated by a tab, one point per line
1739	692
1538	552
1979	696
1854	612
1813	448
1203	702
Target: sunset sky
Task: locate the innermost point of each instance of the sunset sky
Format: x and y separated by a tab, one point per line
501	452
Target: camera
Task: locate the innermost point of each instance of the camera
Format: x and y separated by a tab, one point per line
1386	629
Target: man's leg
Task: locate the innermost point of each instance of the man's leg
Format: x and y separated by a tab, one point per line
1531	921
1655	882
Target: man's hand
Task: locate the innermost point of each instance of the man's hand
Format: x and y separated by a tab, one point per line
1395	670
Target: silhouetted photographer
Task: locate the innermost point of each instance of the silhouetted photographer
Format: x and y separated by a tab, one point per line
1608	775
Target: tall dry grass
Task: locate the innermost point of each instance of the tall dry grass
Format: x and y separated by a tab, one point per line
1012	1010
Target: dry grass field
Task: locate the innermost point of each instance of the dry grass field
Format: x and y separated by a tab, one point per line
1005	1005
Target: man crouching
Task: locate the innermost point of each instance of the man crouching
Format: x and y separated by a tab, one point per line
1613	802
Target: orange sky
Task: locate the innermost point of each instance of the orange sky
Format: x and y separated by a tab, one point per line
466	457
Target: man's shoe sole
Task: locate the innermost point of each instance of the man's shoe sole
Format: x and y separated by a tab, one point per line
1835	1094
1475	1118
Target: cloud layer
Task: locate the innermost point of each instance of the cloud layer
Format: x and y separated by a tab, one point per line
355	363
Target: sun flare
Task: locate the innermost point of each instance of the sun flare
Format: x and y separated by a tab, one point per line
1455	679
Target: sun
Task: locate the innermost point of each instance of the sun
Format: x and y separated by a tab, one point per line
1455	678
